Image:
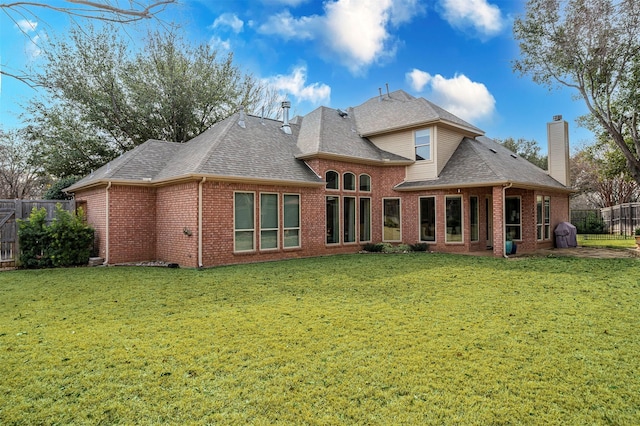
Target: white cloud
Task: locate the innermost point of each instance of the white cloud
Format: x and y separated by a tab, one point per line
485	18
228	20
459	95
219	44
294	85
356	33
26	25
418	79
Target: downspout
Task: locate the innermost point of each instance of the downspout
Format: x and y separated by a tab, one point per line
200	185
504	219
106	249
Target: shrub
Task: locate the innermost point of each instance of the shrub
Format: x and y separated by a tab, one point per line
373	248
419	247
67	241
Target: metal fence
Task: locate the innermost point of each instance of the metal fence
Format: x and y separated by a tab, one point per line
619	220
10	210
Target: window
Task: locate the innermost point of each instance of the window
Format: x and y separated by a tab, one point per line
423	144
428	219
453	207
365	219
349	210
543	216
365	183
291	220
349	182
391	219
333	220
268	221
333	180
244	223
512	217
474	214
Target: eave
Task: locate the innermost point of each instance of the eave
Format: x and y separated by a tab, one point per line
350	159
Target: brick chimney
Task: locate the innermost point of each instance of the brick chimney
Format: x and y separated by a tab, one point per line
558	150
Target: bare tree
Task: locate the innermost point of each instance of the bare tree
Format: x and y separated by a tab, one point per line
105	10
19	174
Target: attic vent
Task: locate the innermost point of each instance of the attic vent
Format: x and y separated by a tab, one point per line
514	156
493	150
342	113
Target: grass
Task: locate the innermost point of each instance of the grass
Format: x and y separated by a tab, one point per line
621	243
355	339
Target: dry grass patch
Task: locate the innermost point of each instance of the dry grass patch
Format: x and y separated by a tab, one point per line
361	339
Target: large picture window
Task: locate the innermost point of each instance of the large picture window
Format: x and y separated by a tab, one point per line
512	217
543	217
391	220
428	219
333	220
423	144
453	207
244	222
268	221
365	219
291	220
474	214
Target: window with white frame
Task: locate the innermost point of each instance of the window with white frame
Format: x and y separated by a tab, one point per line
333	219
365	183
269	220
513	218
543	217
333	180
291	220
427	218
349	181
474	216
453	211
391	220
422	140
365	219
244	222
349	220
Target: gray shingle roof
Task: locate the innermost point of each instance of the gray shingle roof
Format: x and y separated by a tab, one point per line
399	110
325	131
482	161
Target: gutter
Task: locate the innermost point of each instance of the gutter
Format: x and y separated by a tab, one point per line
106	250
200	185
504	218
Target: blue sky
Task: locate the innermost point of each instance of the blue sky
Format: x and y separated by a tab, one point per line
338	53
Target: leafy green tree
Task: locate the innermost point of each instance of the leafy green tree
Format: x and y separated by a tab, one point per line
55	191
592	47
527	149
103	98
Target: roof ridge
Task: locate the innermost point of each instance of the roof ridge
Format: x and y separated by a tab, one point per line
489	164
216	142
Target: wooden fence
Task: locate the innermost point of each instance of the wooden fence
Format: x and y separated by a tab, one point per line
621	219
10	210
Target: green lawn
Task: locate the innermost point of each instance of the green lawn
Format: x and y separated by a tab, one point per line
619	243
356	339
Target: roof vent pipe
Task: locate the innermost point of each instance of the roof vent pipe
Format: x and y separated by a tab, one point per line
380	95
241	122
388	95
285	113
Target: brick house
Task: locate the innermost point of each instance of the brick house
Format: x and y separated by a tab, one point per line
395	169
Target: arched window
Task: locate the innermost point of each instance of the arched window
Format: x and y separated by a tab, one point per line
349	182
333	180
365	183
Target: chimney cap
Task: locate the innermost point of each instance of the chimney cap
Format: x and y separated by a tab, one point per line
557	117
286	104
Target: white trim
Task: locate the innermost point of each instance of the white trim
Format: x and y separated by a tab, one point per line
337	180
399	217
253	249
359	187
355	182
299	228
276	229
